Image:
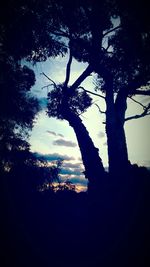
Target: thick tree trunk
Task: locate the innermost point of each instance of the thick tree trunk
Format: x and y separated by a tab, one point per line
94	170
115	115
120	110
111	130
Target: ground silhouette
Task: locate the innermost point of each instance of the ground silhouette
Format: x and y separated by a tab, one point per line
109	227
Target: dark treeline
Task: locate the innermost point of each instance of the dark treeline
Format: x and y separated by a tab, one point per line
109	224
66	228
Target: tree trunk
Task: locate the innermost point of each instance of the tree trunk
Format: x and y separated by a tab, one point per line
111	130
94	170
115	116
120	109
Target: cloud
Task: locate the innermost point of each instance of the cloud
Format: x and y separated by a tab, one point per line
77	172
79	181
101	134
55	134
81	188
61	135
72	165
52	157
70	171
52	133
62	142
145	163
75	179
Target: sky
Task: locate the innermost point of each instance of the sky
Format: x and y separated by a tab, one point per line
55	139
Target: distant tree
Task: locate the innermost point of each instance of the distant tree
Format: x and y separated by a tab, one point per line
65	186
49	174
17	107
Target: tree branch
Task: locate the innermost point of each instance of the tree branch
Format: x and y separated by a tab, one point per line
80	87
60	33
114	29
144	107
46	86
141	92
102	112
146	112
68	68
79	41
49	79
82	77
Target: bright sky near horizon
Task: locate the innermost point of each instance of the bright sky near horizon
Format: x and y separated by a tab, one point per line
54	138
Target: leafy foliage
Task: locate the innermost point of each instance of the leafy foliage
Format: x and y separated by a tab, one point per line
17	107
25	30
65	186
58	100
16	104
127	54
49	174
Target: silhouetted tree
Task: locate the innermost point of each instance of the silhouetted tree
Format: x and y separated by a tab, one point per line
17	107
127	68
64	105
119	55
67	103
122	62
65	186
42	46
86	29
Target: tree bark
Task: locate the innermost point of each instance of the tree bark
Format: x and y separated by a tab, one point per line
120	109
94	170
115	117
111	129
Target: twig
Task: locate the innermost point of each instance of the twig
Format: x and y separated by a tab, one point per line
102	112
60	33
80	87
144	107
146	112
114	29
49	79
46	86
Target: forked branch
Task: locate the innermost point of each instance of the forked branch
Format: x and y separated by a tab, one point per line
114	29
146	112
53	83
137	102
